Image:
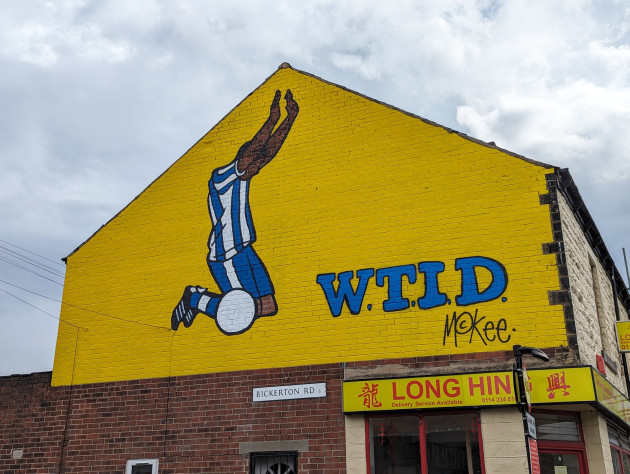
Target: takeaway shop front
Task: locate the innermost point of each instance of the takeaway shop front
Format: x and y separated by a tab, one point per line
469	423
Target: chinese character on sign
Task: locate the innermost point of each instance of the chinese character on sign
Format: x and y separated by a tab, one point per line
557	383
369	393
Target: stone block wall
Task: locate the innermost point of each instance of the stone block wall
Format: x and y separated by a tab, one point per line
503	441
591	298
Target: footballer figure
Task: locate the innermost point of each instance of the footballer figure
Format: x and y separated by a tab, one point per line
246	289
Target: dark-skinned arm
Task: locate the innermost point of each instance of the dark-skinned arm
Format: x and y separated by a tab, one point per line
265	146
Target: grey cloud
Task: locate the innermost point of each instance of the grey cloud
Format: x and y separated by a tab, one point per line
98	98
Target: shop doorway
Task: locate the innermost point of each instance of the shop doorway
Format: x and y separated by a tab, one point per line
562	462
560	443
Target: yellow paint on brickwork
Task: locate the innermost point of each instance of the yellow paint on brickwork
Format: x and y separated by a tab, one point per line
357	185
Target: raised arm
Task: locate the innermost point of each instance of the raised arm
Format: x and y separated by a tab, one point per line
265	145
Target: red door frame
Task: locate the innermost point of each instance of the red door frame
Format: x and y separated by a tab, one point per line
423	443
566	447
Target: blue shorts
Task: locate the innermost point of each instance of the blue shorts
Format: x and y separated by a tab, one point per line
244	270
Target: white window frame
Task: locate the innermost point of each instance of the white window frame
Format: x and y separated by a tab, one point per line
135	462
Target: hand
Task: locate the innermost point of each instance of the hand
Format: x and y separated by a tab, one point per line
292	106
274	111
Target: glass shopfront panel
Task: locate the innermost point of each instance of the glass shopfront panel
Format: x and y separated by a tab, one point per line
395	445
564	463
452	444
424	444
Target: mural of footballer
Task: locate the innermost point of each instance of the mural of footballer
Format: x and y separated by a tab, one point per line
246	289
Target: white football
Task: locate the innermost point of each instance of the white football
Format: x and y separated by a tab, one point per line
236	311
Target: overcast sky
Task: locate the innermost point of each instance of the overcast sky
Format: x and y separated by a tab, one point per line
97	98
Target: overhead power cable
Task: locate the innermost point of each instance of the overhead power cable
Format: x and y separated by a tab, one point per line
39	309
33	253
81	308
29	270
30	261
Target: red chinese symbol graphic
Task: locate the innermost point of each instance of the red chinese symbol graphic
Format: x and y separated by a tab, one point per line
369	393
381	433
556	383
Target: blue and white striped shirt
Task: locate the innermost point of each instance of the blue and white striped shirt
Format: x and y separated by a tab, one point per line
228	202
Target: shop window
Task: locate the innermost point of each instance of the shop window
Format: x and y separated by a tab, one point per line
619	450
274	463
424	444
394	444
452	444
142	466
557	427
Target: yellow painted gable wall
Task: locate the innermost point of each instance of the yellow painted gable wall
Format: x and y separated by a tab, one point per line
357	185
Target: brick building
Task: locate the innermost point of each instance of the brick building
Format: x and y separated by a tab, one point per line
366	323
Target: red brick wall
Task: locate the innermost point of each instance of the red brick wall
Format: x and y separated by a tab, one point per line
32	418
191	424
457	363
